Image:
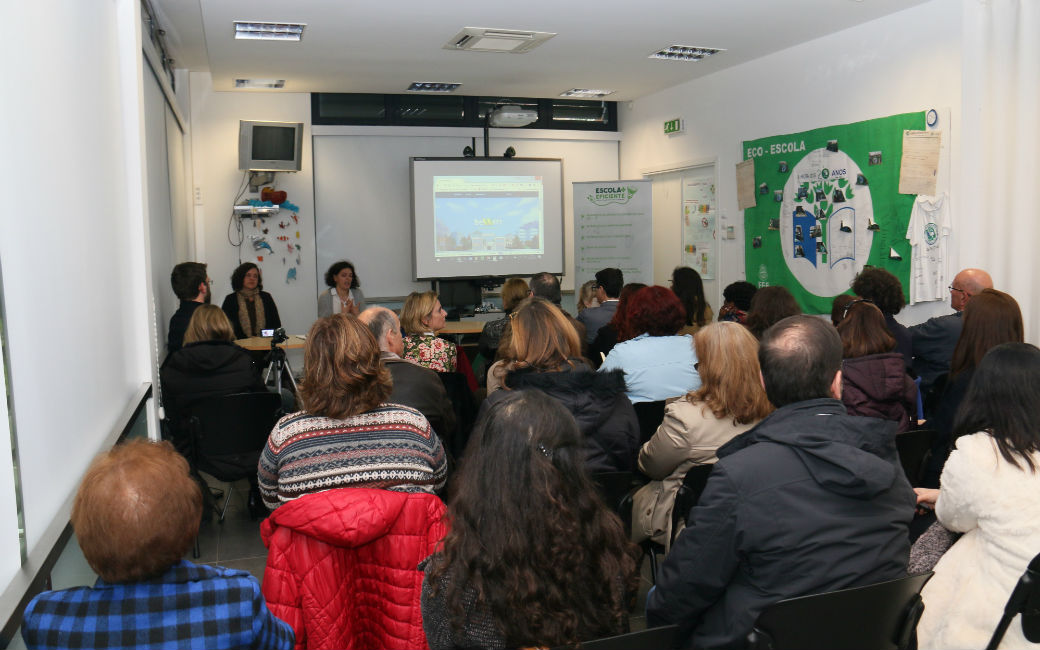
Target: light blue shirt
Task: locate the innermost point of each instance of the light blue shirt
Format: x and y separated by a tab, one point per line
656	367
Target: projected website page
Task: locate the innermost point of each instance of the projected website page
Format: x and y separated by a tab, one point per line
488	218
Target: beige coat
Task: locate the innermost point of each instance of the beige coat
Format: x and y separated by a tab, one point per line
688	436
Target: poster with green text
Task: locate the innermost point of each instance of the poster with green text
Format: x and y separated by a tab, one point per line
828	204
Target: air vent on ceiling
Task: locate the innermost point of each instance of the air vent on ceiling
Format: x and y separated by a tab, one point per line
685	53
261	31
484	39
586	92
259	83
432	87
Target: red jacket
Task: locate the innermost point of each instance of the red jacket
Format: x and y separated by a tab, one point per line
341	566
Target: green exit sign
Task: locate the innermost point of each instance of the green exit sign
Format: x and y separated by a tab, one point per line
674	126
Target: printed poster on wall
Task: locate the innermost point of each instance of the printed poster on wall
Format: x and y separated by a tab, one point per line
828	204
613	228
700	247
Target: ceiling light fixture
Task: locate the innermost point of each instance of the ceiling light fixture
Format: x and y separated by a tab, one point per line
586	92
685	53
260	83
485	39
261	31
432	87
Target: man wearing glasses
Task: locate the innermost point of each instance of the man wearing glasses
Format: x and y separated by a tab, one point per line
934	340
609	282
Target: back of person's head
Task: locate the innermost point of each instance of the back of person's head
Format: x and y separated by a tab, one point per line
238	276
619	321
740	294
380	321
137	511
586	295
513	291
863	330
186	278
770	305
208	323
688	286
655	311
799	357
415	314
610	280
542	337
990	318
546	285
333	271
838	305
727	361
547	559
880	287
1003	399
342	372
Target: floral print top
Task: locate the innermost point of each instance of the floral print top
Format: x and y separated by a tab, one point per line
430	351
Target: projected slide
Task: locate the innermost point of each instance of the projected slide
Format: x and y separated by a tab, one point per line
488	217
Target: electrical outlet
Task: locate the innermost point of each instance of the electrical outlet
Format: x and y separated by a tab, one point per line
198	195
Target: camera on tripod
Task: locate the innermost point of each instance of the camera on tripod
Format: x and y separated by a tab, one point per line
279	336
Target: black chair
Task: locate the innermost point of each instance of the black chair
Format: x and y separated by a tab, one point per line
465	408
688	495
659	638
882	616
1024	600
227	435
616	489
650	416
914	447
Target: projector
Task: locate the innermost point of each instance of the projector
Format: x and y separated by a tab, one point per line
511	116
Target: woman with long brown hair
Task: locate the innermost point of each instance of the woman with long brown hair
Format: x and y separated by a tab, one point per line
768	306
544	354
730	401
533	557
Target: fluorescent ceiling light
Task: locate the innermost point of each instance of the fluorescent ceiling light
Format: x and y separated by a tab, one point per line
685	53
485	39
259	83
586	92
432	87
261	31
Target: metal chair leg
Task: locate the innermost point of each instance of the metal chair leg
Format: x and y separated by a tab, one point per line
227	500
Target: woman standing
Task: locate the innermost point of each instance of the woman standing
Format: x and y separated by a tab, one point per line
730	401
344	294
989	492
421	318
250	309
533	557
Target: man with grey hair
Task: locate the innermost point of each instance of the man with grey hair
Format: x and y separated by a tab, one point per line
546	285
933	341
809	500
414	386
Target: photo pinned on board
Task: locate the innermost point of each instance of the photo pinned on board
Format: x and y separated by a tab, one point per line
874	158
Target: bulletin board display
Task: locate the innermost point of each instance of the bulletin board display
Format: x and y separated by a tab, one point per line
826	204
699	221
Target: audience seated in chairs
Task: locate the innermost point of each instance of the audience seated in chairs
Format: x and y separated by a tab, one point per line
135	516
729	402
543	355
988	492
533	558
421	318
874	382
347	435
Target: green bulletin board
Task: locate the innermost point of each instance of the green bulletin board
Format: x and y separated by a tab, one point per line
828	204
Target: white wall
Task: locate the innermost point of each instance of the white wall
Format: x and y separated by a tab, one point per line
908	61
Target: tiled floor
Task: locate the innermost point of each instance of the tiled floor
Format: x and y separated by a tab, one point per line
235	542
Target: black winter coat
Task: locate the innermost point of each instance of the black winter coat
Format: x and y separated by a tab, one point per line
810	500
598	402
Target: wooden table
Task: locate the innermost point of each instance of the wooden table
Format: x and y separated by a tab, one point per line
459	327
295	342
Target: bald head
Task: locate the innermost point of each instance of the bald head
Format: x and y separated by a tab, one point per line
966	284
800	358
386	327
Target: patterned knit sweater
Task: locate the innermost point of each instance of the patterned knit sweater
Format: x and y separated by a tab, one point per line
391	447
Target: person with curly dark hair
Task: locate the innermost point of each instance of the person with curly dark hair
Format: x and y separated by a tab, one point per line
886	291
344	294
658	363
768	306
249	308
736	301
688	286
533	557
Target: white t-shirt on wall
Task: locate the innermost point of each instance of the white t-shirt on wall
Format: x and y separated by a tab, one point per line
928	234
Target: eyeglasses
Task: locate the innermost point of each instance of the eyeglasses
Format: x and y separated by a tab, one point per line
853	304
955	289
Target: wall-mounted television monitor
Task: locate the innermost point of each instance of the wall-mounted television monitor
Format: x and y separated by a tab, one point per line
270	146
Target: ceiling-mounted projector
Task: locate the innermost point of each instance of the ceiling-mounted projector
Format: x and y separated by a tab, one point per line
511	116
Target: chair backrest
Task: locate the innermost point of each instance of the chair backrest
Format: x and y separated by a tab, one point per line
465	407
688	495
614	486
913	447
232	424
659	638
881	616
1025	600
920	399
650	416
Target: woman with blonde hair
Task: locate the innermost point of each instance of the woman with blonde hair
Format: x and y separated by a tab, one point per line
587	296
729	401
421	318
544	354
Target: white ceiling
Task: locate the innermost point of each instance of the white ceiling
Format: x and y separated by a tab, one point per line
381	47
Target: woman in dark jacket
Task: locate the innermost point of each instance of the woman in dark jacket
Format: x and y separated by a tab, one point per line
249	309
886	291
544	354
874	382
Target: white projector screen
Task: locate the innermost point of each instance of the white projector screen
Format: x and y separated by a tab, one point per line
477	217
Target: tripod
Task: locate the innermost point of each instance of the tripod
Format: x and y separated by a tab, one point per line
277	363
